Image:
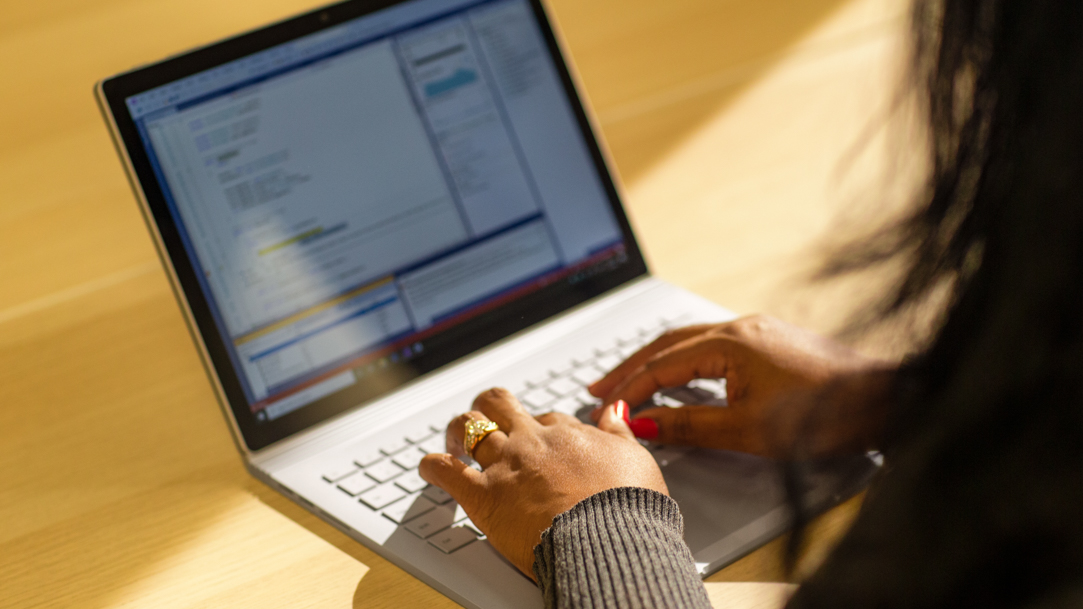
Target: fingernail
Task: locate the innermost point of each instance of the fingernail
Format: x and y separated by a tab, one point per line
646	429
620	407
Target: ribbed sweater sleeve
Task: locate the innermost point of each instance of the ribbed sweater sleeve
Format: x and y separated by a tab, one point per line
620	548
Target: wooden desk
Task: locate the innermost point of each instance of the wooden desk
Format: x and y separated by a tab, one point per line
119	485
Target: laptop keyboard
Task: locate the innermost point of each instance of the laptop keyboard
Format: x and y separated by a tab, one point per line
384	478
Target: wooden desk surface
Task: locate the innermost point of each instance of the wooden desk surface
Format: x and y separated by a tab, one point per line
119	485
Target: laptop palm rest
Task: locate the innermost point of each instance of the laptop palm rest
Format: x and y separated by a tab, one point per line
733	503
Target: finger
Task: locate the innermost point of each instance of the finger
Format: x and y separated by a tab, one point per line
486	452
461	481
669	338
501	407
623	410
703	426
612	420
700	357
556	418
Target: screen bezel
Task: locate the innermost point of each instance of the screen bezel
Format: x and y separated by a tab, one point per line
441	349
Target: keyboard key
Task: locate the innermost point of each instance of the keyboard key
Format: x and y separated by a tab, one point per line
650	328
650	338
562	368
460	513
408	508
411	481
428	524
452	539
366	456
606	349
515	387
470	523
583	360
716	388
629	337
586	399
356	484
437	520
393	446
539	398
384	470
608	362
588	375
566	405
563	386
627	351
437	494
408	459
435	444
419	435
539	380
382	496
660	398
339	472
672	321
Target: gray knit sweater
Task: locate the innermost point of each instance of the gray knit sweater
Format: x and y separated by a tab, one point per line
620	548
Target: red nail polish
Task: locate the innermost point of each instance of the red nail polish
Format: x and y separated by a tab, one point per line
620	407
646	429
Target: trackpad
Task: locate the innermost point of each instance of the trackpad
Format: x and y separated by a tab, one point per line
720	492
733	503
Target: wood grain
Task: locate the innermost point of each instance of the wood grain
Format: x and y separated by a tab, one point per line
119	484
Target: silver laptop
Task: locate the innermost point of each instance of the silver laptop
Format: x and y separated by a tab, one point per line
374	211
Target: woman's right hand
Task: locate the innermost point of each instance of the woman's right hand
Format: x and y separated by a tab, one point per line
783	384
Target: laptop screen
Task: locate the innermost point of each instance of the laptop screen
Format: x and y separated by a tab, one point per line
349	197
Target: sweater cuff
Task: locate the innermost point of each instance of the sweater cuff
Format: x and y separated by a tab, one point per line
622	547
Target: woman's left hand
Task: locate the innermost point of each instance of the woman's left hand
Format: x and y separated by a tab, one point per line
535	468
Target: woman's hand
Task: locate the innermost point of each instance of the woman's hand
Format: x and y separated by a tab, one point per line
535	468
783	383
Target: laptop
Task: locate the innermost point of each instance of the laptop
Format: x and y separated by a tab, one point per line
372	212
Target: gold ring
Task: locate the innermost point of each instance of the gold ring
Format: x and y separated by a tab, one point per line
476	432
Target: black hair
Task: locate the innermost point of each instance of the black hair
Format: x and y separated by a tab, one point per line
980	501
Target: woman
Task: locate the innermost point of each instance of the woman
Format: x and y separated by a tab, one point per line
981	497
